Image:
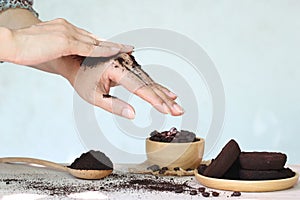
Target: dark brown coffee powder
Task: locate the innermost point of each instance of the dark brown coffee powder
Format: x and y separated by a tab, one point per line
92	160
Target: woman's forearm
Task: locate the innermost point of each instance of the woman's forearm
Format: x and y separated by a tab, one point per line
13	19
17	18
5	44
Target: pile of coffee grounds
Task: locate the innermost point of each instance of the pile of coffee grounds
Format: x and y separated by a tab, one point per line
173	136
117	183
92	160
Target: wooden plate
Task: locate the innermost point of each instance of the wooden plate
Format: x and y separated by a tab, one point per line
247	186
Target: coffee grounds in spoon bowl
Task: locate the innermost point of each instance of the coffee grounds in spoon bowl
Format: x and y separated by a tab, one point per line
92	160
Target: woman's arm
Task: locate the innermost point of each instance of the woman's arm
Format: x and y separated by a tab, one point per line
13	19
48	46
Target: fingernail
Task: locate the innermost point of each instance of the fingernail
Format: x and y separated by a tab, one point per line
128	113
127	48
172	94
178	108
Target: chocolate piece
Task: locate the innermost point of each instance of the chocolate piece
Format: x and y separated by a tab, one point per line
265	174
223	161
262	160
92	160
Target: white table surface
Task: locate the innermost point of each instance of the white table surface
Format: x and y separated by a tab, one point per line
19	175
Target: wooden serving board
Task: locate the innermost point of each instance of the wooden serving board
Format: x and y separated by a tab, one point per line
247	186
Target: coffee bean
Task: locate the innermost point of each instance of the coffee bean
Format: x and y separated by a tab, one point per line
173	135
162	171
236	194
205	194
154	133
153	168
176	169
188	169
178	190
165	168
165	139
155	138
182	141
173	130
193	192
215	194
201	189
175	140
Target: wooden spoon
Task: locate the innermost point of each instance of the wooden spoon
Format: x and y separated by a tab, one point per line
82	174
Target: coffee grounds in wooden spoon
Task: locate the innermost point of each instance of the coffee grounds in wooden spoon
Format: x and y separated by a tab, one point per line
92	160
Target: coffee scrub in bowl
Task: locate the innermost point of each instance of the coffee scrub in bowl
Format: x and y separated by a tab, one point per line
175	148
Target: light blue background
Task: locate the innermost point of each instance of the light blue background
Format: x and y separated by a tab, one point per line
254	45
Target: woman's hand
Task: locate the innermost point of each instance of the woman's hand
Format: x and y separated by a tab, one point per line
50	40
96	76
49	46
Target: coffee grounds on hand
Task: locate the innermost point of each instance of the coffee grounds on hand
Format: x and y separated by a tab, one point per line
92	160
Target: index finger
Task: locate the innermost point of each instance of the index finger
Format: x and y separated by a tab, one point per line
123	47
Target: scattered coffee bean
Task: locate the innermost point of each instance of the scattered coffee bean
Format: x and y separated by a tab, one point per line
165	168
193	192
161	171
179	190
205	194
201	189
153	168
236	194
215	194
176	168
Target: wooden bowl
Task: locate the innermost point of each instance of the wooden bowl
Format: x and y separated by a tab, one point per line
184	155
